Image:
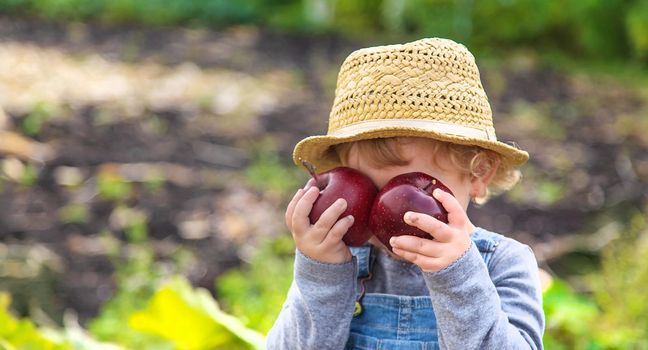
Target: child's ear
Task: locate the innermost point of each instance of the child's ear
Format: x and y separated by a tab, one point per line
483	172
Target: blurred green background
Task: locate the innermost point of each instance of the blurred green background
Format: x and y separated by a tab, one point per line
145	158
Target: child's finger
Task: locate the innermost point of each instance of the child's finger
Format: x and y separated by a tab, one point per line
330	216
417	245
309	184
456	214
437	229
426	263
338	230
291	207
300	220
293	203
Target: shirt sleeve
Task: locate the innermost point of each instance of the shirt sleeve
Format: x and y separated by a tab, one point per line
319	308
478	310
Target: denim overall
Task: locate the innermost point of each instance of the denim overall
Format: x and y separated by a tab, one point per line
395	322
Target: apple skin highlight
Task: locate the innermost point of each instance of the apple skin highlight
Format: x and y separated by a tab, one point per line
403	193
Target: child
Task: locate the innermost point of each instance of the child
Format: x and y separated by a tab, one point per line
419	106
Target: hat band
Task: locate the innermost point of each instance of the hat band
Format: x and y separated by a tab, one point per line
425	125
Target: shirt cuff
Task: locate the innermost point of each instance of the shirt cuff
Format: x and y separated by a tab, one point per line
463	269
325	273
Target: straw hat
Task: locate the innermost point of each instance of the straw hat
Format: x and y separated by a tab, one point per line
427	88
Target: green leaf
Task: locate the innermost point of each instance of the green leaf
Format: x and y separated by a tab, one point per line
192	320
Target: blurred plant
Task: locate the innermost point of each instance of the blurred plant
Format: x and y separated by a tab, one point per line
538	187
357	18
550	192
74	213
30	273
588	28
499	22
138	275
267	173
26	174
30	175
133	221
637	27
72	333
111	186
23	334
176	316
619	289
598	27
152	310
154	181
615	315
71	9
192	320
443	18
569	318
256	292
537	118
34	121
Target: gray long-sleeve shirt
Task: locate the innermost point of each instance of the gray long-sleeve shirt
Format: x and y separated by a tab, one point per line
478	305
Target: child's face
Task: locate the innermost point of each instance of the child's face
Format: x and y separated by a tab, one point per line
418	152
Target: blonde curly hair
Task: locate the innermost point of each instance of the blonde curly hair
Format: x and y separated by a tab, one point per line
469	160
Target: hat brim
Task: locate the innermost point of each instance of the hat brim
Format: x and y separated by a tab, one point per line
318	150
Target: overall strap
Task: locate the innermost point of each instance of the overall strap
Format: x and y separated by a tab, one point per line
486	242
364	258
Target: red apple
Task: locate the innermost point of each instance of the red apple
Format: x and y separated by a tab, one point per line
403	193
359	192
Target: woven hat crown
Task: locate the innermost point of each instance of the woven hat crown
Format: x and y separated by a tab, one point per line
427	88
433	79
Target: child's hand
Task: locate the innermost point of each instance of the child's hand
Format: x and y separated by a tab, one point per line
321	241
450	240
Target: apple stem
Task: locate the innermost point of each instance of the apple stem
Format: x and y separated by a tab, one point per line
310	167
432	183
